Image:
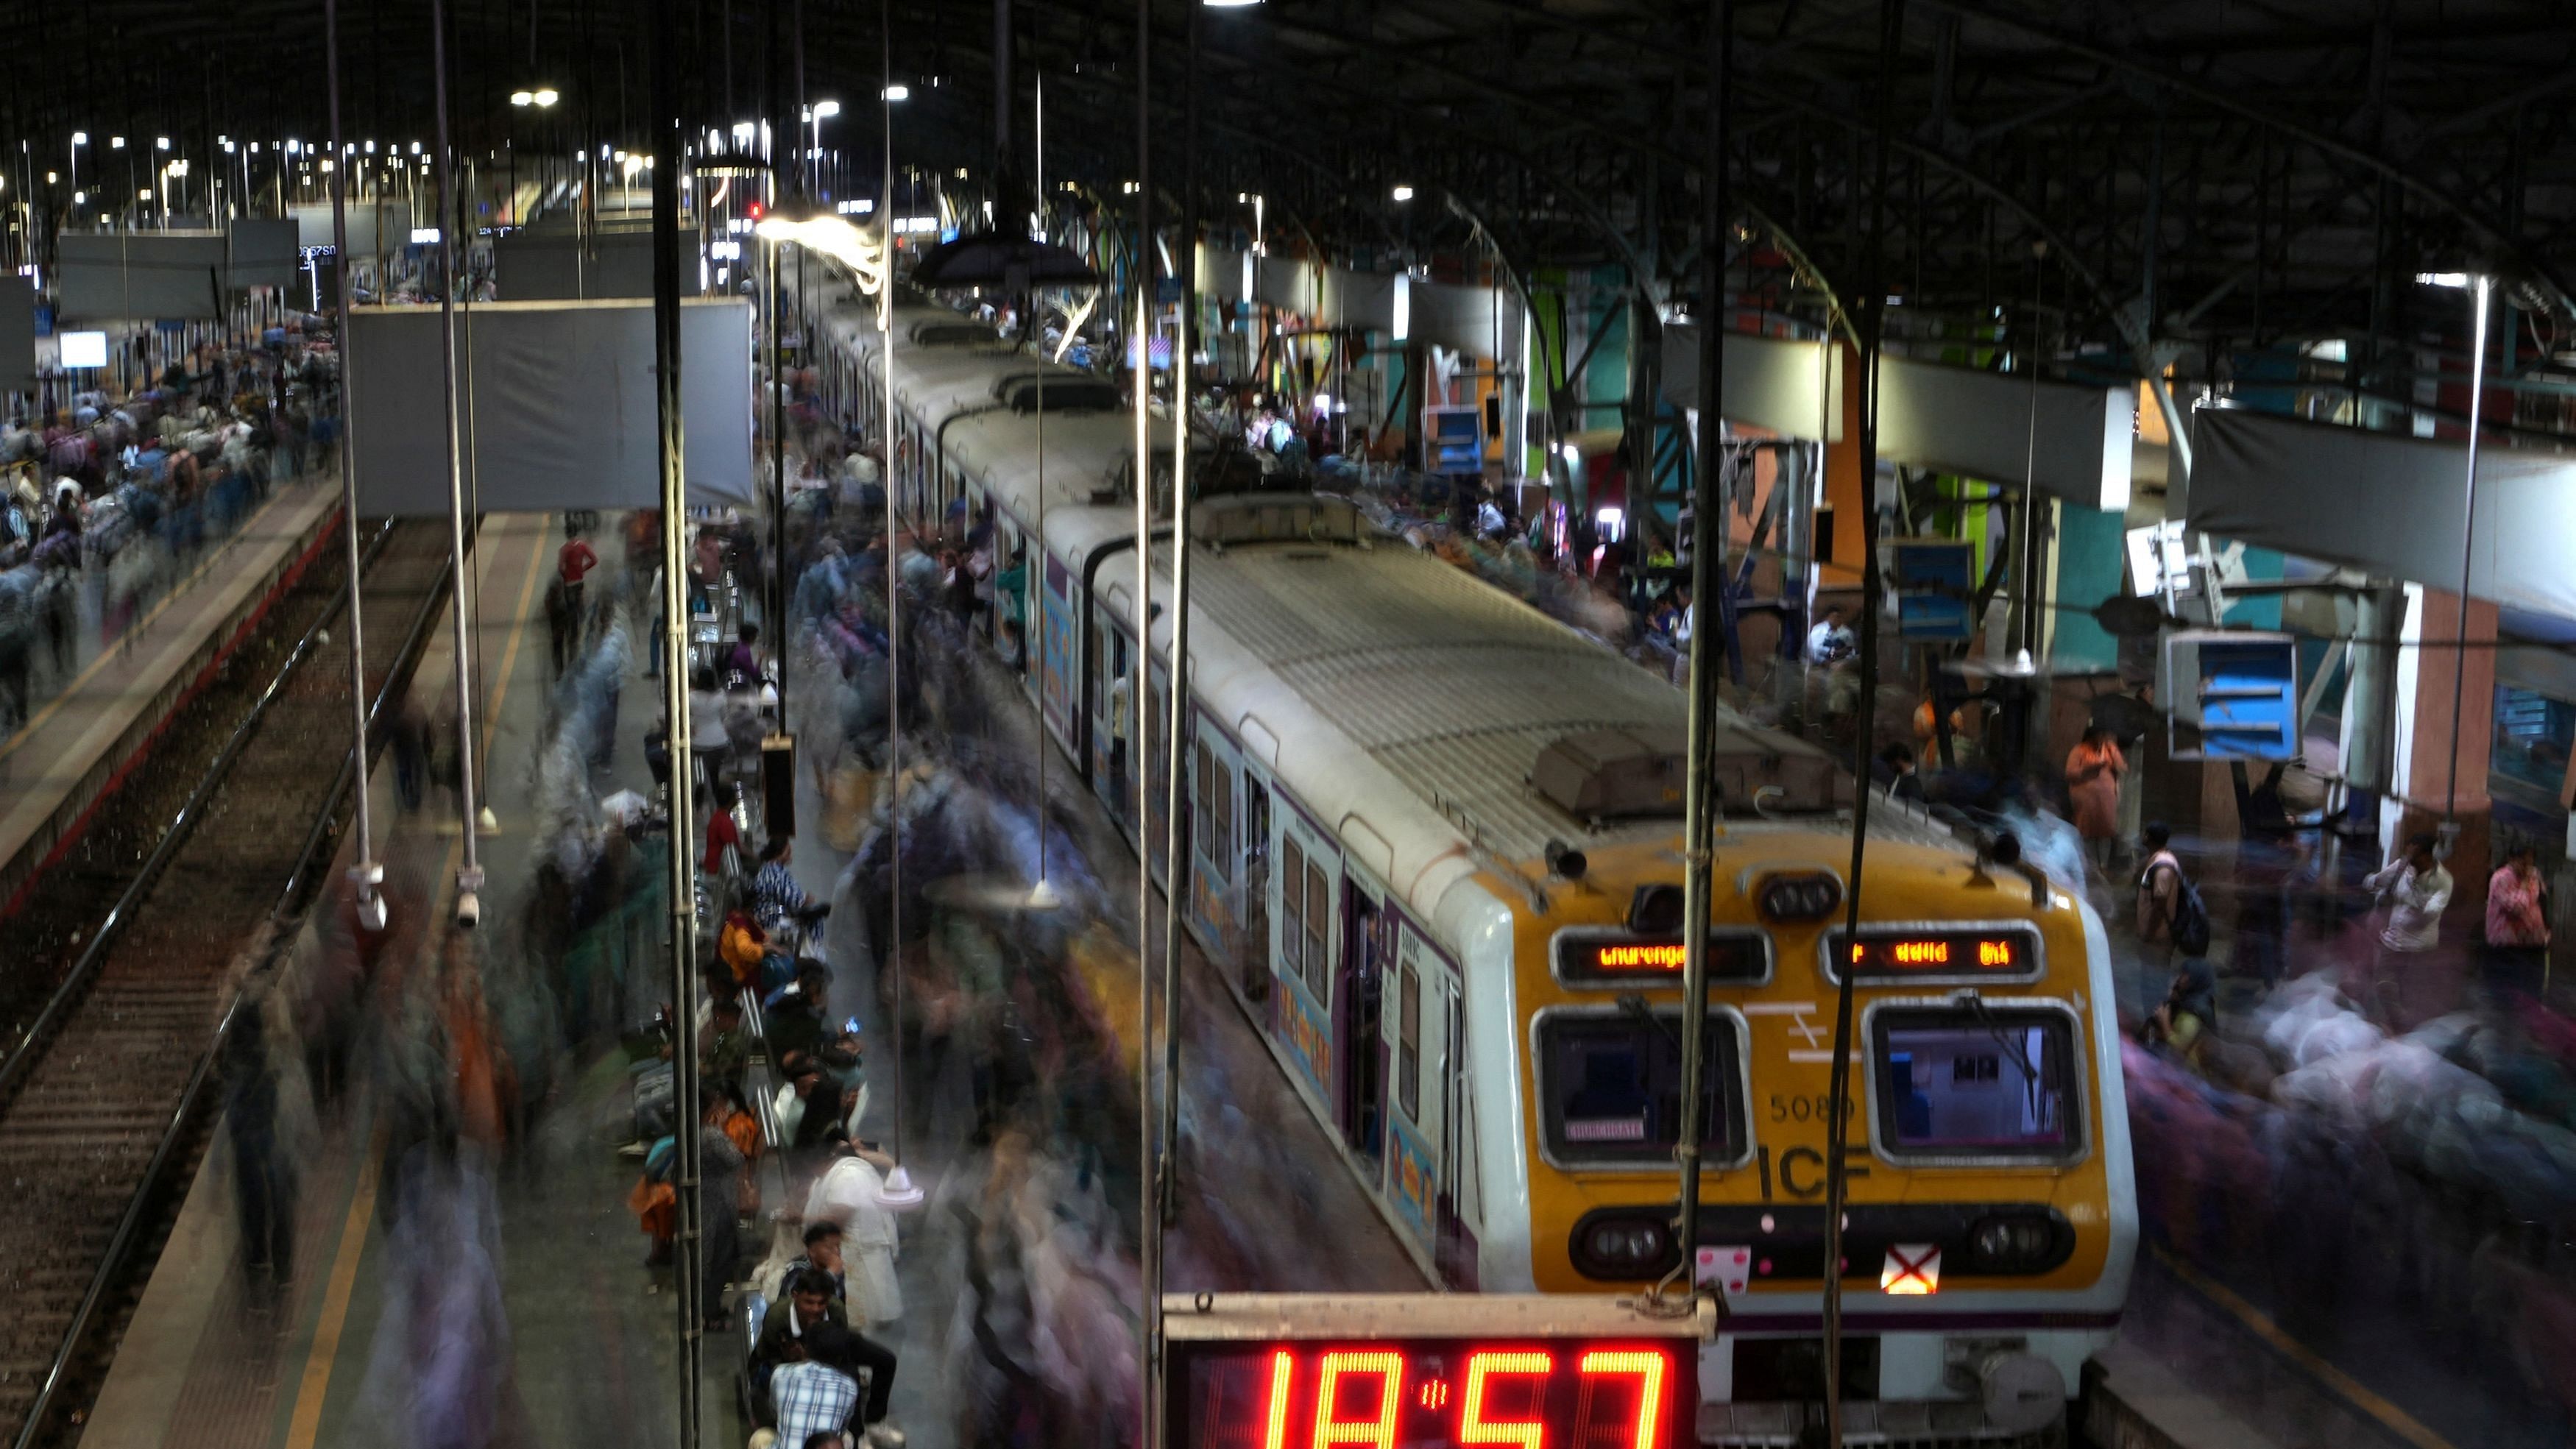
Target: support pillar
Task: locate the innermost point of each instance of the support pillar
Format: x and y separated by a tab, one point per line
2441	761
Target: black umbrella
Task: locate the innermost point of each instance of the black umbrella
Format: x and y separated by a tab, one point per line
998	259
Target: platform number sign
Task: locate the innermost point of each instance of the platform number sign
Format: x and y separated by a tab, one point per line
1397	1372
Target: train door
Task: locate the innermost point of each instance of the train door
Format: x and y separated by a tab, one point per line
1112	719
1462	1212
1215	854
1305	898
1252	955
1366	958
1422	1060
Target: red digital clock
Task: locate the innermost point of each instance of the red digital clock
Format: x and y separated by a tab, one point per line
1294	1372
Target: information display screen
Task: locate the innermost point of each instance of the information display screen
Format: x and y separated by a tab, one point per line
1427	1393
1882	953
1620	959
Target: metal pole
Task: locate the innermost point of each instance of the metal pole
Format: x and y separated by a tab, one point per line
1176	806
1708	571
1141	275
469	876
2479	288
1044	894
778	471
1838	1093
687	1270
891	957
366	872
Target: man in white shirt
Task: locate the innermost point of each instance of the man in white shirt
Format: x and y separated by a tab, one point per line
2417	890
1831	640
848	1193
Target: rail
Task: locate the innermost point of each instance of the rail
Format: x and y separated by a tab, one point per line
183	825
130	1224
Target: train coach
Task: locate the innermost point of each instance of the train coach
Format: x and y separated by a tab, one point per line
1434	845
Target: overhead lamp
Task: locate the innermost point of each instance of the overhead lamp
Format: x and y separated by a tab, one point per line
2454	280
52	178
116	143
896	93
144	194
80	198
160	143
80	138
523	98
547	96
826	110
1229	4
371	148
1404	193
415	148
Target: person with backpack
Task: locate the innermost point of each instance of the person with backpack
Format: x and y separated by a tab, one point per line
2417	890
2171	915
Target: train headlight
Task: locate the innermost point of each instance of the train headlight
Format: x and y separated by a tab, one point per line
1805	896
2018	1244
1624	1247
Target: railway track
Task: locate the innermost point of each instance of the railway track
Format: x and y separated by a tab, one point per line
99	1088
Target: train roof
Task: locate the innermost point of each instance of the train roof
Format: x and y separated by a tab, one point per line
1402	699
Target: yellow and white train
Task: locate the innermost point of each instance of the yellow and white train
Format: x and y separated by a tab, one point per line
1435	842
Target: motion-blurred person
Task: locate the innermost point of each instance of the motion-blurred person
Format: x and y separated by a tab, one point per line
1896	770
2093	771
2159	893
823	1255
2189	1012
2416	890
1831	641
777	901
720	1179
742	662
2517	927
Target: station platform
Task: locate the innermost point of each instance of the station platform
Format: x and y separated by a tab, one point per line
548	1329
76	744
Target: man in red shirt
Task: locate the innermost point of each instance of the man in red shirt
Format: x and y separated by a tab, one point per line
573	562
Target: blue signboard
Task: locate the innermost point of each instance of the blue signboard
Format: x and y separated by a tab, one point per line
1936	583
2249	699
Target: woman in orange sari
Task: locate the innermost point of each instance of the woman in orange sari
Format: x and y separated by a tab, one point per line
2093	771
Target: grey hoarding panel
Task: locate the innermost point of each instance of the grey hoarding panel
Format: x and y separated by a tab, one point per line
1993	426
313	225
17	334
562	267
1775	383
264	253
563	412
141	275
2392	505
1465	319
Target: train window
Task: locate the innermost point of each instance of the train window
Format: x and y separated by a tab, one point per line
1212	816
1610	1086
1319	932
1292	907
1408	1044
1976	1082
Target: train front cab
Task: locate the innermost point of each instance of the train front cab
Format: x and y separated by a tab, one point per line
1991	1221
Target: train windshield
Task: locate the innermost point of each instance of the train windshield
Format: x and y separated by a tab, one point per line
1977	1082
1611	1087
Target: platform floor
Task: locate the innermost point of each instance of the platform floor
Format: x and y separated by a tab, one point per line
76	730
